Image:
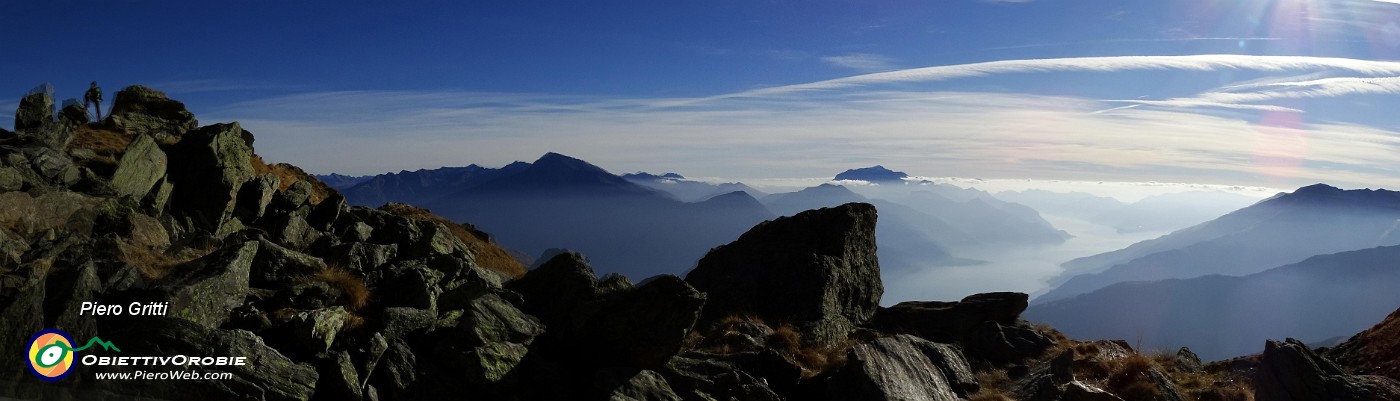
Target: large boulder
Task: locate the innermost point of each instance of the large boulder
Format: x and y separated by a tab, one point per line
141	110
555	289
639	328
1290	371
207	289
988	326
208	169
141	167
35	110
816	270
893	368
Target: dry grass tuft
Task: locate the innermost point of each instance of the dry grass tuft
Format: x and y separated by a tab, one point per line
488	254
354	293
101	141
155	264
353	322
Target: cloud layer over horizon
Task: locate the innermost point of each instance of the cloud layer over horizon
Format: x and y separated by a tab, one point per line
1246	130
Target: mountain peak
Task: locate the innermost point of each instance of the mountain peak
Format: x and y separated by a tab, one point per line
875	173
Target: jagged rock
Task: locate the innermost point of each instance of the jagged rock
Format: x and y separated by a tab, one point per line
613	283
73	113
141	110
293	231
952	364
324	215
52	166
141	167
556	288
338	378
399	323
705	379
892	368
409	284
10	180
491	319
779	373
156	201
639	328
489	364
1289	371
817	270
644	385
208	169
356	232
254	197
988	326
361	256
316	329
61	211
268	375
66	292
35	109
22	296
275	264
396	371
205	290
1080	391
1187	361
51	136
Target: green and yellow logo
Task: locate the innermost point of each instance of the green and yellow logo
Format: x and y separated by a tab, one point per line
51	353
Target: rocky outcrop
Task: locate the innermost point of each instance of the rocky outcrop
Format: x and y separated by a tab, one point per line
141	110
898	368
141	168
208	288
816	270
35	109
1290	371
987	326
1375	351
211	166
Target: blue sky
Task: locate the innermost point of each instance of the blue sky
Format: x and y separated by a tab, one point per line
1276	93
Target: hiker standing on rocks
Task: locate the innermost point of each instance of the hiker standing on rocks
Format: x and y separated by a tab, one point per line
94	96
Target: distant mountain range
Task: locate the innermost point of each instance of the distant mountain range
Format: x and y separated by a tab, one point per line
1313	220
1158	213
642	224
1316	299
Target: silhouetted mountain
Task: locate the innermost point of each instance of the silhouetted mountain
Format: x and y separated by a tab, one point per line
562	202
1284	229
689	190
341	182
988	221
422	186
1375	351
1170	212
1220	316
875	174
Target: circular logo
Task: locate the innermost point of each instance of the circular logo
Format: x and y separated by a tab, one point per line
51	354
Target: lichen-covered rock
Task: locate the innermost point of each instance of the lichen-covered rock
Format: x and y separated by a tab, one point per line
644	385
52	166
208	169
140	168
276	265
316	329
205	290
10	180
817	270
254	197
141	110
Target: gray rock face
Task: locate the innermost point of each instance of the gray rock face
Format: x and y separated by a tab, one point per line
816	270
53	136
52	166
207	289
644	385
140	168
35	110
138	109
555	289
988	326
73	113
317	329
640	328
10	180
210	168
1289	371
892	368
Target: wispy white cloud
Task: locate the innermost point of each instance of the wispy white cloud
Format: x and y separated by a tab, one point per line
1215	62
864	62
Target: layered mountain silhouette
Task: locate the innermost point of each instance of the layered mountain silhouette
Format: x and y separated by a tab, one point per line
1287	228
562	202
1158	213
1221	316
689	190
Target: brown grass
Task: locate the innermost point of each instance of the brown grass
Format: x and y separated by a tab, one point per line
155	263
102	141
1128	377
487	253
354	293
288	174
990	395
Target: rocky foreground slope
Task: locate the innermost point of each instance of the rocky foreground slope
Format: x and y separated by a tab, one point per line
332	302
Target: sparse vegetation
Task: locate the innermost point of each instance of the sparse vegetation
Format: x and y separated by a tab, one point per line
488	254
735	333
156	263
287	175
354	293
